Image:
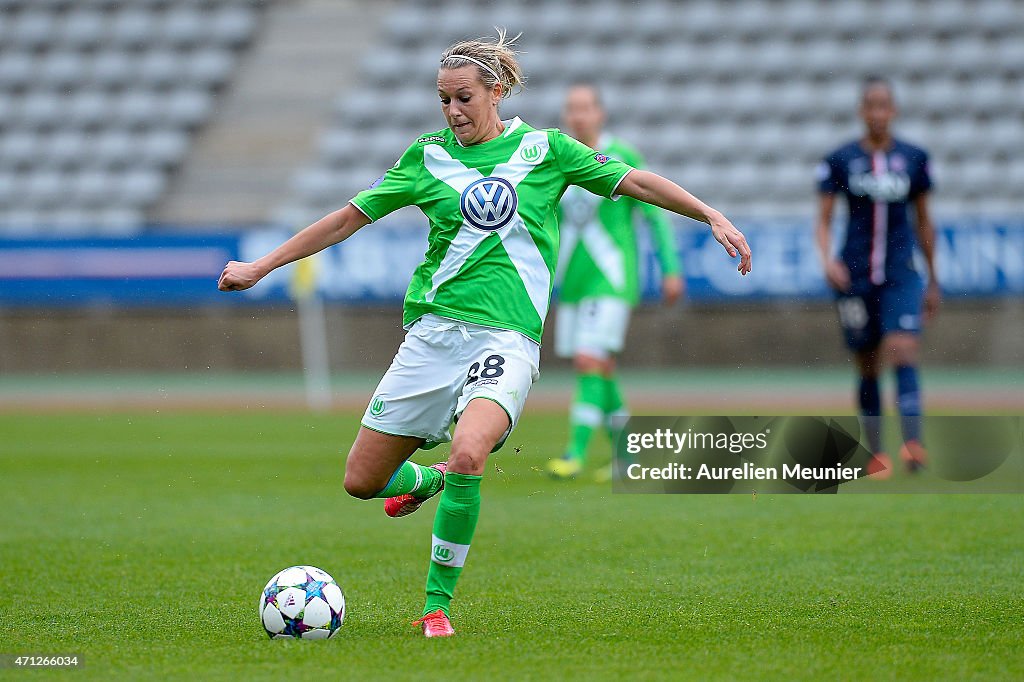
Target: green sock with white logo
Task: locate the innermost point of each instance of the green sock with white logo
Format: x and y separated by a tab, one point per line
413	478
454	524
586	414
615	412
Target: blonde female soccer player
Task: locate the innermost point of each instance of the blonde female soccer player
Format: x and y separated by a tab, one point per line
475	307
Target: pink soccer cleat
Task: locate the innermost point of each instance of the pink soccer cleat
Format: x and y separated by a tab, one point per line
403	505
879	466
914	456
435	624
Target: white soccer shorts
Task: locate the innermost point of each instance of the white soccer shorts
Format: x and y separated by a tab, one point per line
440	367
594	326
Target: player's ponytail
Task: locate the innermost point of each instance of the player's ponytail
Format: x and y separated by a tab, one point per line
495	61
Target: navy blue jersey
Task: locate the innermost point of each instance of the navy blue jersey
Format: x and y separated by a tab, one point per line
880	239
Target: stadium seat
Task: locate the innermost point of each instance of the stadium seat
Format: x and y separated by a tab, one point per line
916	56
647	24
603	21
338	146
160	68
113	69
988	95
8	110
386	68
163	148
944	17
209	67
775	59
91	188
83	28
406	28
42	109
19	149
60	70
315	185
134	27
416	107
43	188
117	220
1014	173
970	56
898	19
113	148
139	188
998	17
1011	56
872	55
1006	134
940	96
747	100
70	220
16	69
9	187
63	149
183	26
232	25
187	108
88	109
845	20
33	29
353	109
973	178
751	18
136	108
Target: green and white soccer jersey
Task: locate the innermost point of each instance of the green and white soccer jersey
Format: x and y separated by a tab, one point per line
491	249
598	240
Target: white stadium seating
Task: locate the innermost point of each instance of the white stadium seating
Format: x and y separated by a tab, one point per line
738	99
98	99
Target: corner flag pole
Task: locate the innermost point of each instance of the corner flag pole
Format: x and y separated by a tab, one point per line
312	336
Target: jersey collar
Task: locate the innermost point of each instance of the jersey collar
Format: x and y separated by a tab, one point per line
510	125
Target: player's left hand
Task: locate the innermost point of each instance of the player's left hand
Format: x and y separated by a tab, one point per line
733	240
932	300
672	289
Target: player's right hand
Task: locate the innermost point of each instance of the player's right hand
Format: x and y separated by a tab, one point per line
238	276
837	275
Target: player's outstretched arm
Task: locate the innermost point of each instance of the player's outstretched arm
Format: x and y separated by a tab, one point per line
328	231
651	188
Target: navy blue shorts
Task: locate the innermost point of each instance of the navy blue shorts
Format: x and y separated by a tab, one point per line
868	313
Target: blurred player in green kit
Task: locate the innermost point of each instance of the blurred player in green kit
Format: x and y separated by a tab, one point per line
598	281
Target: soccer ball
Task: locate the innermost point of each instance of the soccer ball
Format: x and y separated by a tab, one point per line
302	602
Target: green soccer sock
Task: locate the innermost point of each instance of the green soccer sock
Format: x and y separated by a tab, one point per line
413	478
586	414
614	408
454	524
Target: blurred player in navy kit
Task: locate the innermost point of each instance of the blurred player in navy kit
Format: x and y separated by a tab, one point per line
880	296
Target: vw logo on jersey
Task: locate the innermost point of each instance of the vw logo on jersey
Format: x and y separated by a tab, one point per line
489	204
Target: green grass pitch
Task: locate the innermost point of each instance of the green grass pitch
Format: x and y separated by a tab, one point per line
141	542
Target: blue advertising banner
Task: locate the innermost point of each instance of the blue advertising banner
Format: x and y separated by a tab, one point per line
978	257
145	270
